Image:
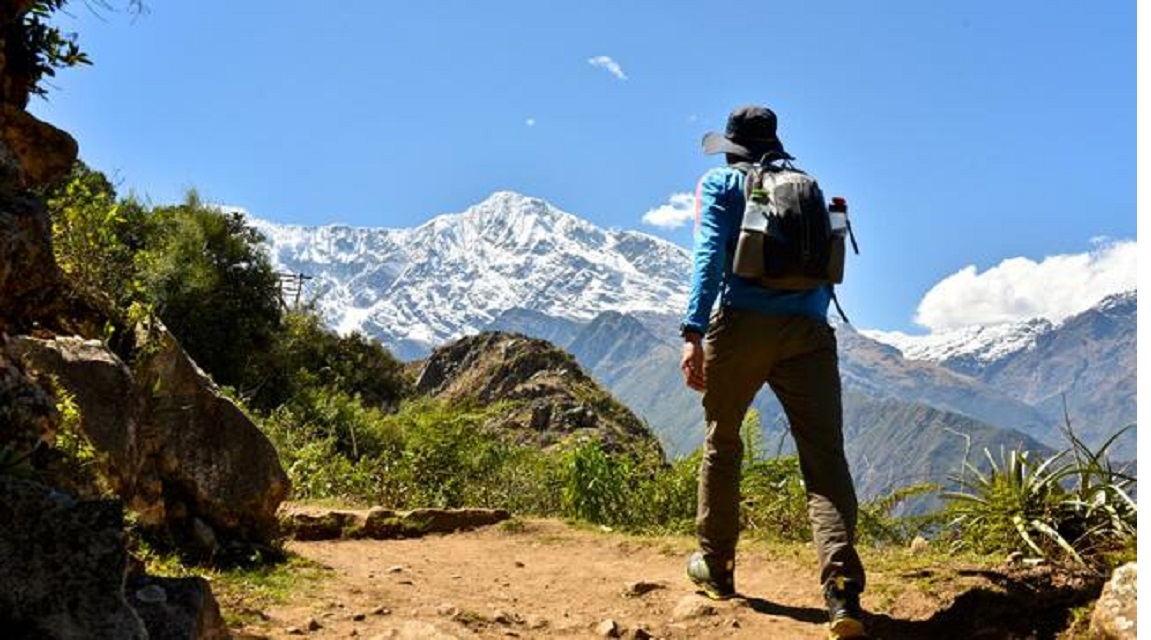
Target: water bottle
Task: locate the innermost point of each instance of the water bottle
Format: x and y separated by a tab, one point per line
838	213
836	259
748	262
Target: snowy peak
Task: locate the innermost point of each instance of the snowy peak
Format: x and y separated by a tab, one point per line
978	345
972	349
453	275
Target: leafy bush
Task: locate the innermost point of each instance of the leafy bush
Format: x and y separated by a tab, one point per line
95	237
1073	505
306	354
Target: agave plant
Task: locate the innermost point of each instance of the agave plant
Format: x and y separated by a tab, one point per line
1073	504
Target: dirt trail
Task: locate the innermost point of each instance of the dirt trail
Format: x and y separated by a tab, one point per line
544	579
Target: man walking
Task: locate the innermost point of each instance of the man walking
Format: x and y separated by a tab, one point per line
763	335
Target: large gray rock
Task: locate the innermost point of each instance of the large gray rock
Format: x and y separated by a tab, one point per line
104	389
177	608
1116	615
173	447
215	462
62	566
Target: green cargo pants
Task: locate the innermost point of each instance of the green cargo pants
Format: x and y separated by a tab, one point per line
796	356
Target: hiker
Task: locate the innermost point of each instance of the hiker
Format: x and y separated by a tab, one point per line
762	334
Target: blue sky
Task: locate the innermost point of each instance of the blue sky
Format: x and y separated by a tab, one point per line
987	149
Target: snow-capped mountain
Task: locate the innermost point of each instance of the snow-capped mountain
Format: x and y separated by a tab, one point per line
972	350
417	288
969	349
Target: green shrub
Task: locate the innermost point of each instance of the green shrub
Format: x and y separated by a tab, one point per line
1072	505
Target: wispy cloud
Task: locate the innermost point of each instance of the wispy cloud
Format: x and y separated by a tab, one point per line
1019	288
606	62
676	212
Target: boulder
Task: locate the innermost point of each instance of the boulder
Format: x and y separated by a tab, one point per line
1116	616
104	389
28	272
62	566
183	457
177	608
26	413
44	153
215	462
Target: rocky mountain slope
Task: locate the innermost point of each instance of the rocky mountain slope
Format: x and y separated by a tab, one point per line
549	397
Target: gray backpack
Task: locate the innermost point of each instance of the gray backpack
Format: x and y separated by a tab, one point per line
786	239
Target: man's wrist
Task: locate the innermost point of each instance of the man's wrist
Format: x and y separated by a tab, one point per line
691	334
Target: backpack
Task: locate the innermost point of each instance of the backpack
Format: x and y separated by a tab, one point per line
786	240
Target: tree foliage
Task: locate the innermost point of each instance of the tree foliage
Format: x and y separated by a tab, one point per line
206	277
96	236
308	354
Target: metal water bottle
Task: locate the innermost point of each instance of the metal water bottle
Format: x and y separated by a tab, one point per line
838	253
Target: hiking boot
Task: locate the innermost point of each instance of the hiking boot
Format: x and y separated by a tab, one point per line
845	616
715	584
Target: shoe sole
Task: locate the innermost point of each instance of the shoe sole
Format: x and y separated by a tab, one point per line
847	629
710	593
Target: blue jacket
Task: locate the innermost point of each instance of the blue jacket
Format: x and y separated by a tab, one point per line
719	205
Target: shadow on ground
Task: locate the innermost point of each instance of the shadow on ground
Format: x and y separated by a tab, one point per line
1009	607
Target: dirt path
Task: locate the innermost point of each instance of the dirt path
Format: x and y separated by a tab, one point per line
544	579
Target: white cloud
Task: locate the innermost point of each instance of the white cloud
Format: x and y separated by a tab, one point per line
1019	288
606	62
676	212
531	122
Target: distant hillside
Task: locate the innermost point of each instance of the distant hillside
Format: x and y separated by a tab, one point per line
1087	360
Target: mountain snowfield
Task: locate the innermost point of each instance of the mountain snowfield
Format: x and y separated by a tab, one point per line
414	289
971	349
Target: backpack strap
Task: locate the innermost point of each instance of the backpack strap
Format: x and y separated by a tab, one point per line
838	309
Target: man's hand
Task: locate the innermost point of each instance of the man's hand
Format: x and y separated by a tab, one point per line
691	364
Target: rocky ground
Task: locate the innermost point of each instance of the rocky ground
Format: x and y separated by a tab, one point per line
539	578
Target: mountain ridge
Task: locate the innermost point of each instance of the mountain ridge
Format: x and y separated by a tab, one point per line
453	275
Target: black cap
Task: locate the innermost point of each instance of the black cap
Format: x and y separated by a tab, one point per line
750	134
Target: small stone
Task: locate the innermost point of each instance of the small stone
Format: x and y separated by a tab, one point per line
381	611
501	617
1116	612
407	582
919	545
607	629
690	607
314	625
639	588
354	633
640	634
358	617
294	631
535	622
455	576
447	610
396	569
519	565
